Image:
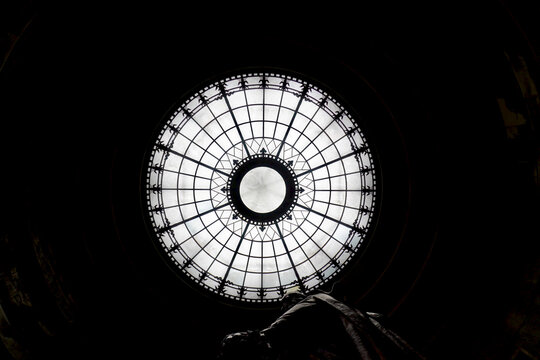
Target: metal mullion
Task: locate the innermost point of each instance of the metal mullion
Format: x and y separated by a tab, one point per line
310	170
178	205
264	106
192	202
233	258
345	206
224	93
343	157
247	263
221	127
197	233
317	245
225	132
327	233
300	198
189	115
205	151
332	143
262	266
277	267
175	206
340	250
330	218
314	183
273	138
247	108
192	218
329	203
203	129
194	179
305	128
186	189
304	92
164	148
323	131
195	176
334	176
303	251
290	258
183	173
341	190
279	111
212	239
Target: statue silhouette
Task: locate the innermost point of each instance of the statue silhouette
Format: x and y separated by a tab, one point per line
318	327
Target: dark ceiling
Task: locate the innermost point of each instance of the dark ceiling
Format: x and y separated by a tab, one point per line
441	88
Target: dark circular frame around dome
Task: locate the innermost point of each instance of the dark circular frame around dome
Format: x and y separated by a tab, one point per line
252	122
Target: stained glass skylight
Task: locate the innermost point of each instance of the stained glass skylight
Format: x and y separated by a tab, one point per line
258	183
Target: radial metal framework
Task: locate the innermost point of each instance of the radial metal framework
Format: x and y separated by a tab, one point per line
205	223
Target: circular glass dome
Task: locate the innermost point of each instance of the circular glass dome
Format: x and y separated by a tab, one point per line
258	183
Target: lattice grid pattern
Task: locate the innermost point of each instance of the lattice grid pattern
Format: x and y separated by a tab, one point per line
260	115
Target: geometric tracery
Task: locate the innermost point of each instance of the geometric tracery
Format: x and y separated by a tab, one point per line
246	124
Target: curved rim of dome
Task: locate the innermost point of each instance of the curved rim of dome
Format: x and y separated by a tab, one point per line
340	100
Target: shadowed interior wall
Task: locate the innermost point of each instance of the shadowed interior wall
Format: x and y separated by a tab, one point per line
451	92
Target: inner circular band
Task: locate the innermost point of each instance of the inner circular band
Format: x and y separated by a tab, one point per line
262	189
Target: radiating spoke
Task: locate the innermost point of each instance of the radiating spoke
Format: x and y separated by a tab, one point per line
164	148
166	228
298	278
234	257
330	162
224	93
243	83
304	92
350	226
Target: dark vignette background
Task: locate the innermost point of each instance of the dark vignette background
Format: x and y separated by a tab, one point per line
448	94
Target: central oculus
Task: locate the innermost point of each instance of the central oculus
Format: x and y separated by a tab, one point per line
262	189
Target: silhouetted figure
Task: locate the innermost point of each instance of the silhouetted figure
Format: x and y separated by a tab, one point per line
318	327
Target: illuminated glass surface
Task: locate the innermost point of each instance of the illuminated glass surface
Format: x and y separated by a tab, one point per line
258	183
